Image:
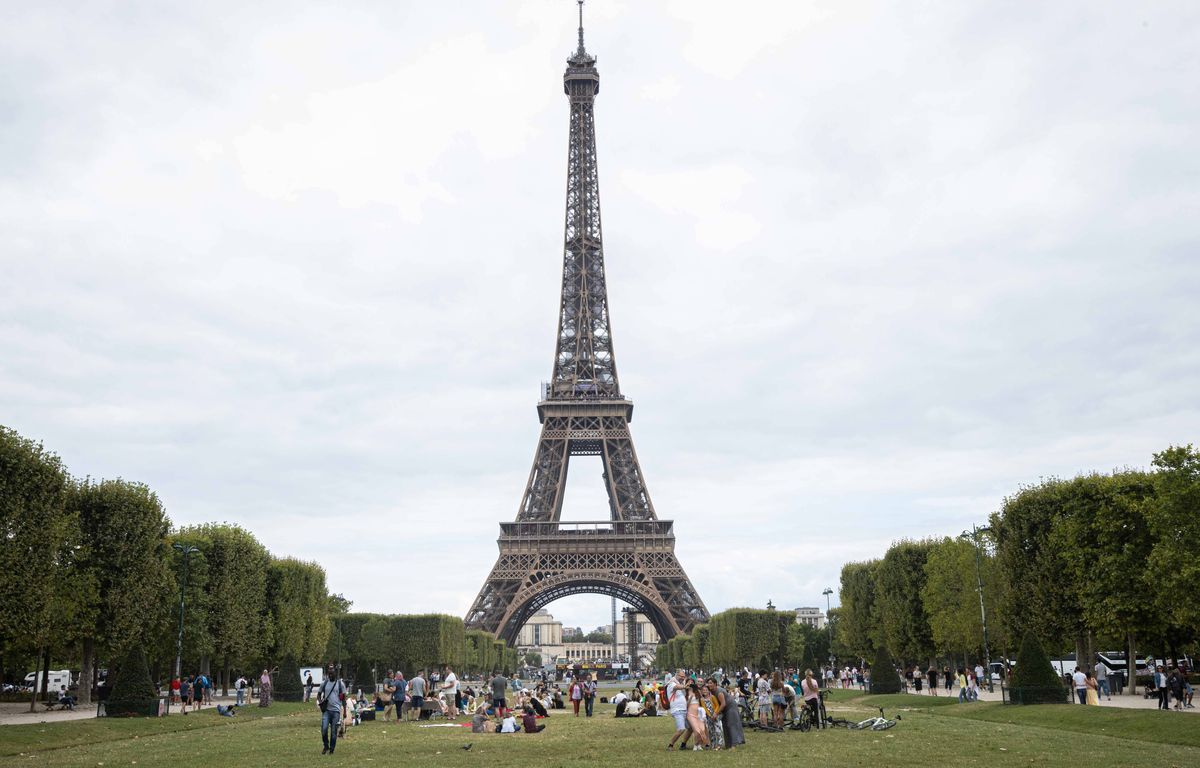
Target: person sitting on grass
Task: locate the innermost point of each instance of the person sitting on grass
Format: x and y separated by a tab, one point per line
226	710
509	724
480	722
529	722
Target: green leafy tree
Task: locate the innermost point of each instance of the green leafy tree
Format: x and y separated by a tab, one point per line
951	595
36	529
900	580
374	642
1174	521
1037	594
286	683
858	616
123	529
743	636
1105	539
297	610
533	659
236	591
884	677
1034	680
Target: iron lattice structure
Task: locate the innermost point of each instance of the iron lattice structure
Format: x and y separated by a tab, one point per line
630	555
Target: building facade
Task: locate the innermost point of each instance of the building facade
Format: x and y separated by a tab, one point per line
545	636
813	617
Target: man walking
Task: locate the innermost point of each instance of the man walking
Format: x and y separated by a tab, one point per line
240	685
329	699
677	697
1080	685
1102	681
499	688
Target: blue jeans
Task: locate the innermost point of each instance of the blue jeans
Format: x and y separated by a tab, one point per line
241	694
1082	694
1102	685
329	728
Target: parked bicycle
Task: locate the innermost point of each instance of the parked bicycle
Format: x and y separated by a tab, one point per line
881	723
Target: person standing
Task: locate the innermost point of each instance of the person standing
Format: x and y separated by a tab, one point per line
264	689
449	691
1093	697
810	690
589	693
1175	683
1080	680
185	694
696	717
962	686
330	699
416	695
932	674
575	694
677	701
778	699
499	693
399	692
916	678
980	680
240	687
308	686
731	718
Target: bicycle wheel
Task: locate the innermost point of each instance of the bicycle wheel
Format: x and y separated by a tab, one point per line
804	722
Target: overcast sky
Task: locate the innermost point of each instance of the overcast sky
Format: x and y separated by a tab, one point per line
871	267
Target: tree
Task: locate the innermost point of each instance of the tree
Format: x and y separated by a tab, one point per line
374	642
951	595
858	625
533	659
900	580
36	530
1105	539
1174	521
602	638
236	590
123	529
884	677
1037	593
1034	680
297	610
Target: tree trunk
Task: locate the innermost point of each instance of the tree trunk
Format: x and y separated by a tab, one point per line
34	688
225	677
84	693
1131	664
1090	663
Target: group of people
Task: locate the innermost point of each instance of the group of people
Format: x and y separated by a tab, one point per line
704	712
1171	687
920	681
191	691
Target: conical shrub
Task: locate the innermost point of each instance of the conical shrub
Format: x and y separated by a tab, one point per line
1034	680
287	683
133	693
884	677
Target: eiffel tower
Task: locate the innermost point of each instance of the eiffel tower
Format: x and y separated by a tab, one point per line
631	555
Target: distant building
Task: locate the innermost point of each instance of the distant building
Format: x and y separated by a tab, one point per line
813	617
543	635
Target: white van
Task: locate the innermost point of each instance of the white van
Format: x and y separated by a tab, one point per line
58	678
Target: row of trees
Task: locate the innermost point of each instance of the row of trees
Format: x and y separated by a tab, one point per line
746	637
93	573
369	643
1095	560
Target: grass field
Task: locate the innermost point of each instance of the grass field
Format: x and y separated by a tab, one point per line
932	732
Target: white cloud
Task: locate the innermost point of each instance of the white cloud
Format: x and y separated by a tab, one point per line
870	269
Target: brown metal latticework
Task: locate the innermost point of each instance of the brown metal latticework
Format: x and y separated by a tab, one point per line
630	555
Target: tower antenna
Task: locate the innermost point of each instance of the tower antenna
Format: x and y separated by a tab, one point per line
580	25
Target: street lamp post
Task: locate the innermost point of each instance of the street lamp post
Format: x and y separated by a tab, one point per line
828	624
974	534
186	550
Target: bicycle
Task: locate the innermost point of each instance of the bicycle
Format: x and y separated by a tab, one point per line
880	723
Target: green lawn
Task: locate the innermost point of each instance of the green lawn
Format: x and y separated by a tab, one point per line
932	731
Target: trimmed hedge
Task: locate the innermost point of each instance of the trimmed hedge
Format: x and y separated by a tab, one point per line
742	637
1034	680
